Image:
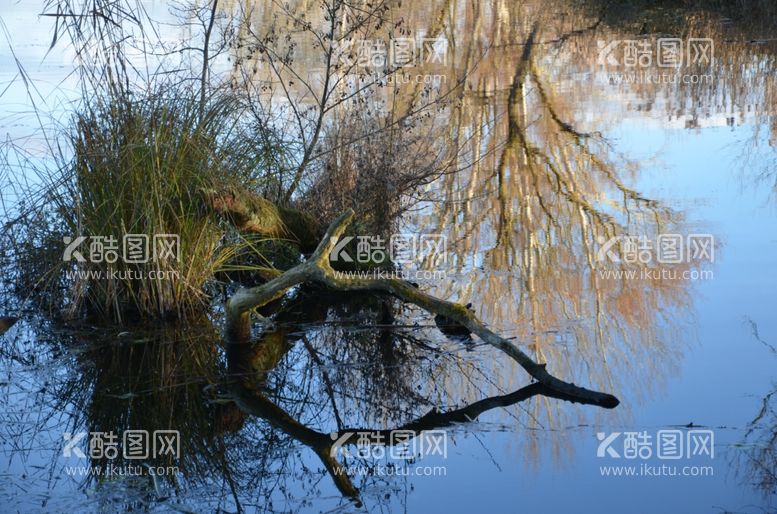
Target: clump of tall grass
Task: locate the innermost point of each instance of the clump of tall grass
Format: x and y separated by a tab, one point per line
140	162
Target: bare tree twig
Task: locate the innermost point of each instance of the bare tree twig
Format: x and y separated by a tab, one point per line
205	56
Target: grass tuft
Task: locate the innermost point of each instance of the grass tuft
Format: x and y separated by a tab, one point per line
139	165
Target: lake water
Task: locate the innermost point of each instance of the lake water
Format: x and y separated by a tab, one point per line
584	149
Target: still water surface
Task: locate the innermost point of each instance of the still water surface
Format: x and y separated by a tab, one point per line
548	165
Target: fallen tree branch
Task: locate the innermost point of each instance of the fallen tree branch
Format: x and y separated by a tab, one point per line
317	269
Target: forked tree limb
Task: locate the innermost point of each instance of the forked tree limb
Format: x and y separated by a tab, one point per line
317	269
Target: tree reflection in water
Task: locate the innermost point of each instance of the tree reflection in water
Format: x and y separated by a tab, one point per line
531	191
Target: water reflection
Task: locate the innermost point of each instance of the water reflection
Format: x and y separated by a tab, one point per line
531	190
536	188
329	368
755	457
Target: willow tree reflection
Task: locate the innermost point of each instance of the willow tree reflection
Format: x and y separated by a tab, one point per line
529	189
535	209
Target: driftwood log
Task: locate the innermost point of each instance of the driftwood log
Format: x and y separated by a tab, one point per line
317	269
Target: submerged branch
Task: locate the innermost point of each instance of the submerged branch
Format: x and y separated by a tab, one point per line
317	269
